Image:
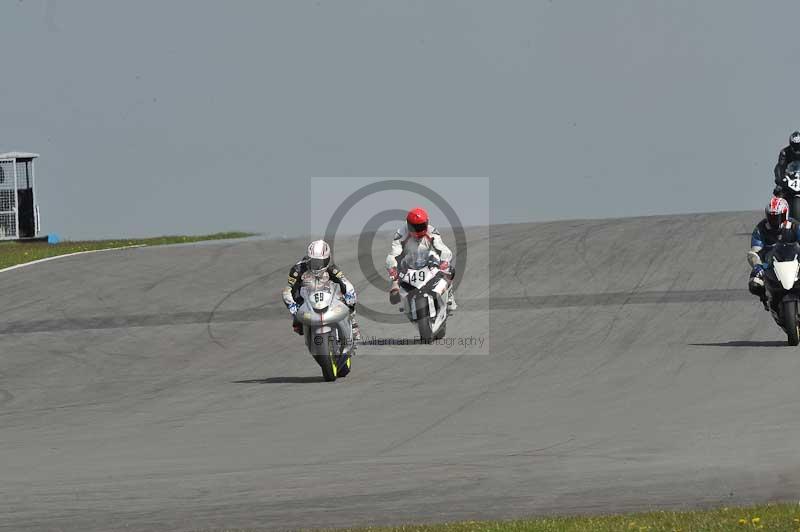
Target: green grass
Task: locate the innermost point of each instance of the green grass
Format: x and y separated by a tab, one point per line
13	253
772	517
778	517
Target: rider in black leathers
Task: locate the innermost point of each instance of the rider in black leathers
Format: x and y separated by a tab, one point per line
787	155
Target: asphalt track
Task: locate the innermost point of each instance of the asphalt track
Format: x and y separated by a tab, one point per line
625	368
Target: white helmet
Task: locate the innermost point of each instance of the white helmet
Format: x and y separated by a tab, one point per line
319	256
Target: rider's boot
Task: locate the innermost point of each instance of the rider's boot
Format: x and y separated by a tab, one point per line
356	328
297	327
756	287
451	301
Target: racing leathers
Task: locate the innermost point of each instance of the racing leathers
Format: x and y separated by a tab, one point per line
406	244
763	239
300	273
785	157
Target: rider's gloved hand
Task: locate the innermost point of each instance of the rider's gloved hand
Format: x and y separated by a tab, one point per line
292	309
350	298
394	294
444	266
393	274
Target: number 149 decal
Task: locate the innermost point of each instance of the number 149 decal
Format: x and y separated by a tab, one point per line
413	277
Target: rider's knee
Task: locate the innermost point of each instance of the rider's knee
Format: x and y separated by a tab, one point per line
757	289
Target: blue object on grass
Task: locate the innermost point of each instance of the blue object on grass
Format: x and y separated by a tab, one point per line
53	239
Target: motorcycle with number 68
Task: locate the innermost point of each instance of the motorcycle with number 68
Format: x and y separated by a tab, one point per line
327	326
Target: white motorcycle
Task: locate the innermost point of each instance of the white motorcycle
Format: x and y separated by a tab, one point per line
424	291
781	283
327	326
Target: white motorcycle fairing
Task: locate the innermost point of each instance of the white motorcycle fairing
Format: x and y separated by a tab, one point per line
793	184
786	272
425	293
327	325
418	279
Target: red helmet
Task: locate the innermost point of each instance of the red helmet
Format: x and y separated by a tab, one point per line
777	212
417	221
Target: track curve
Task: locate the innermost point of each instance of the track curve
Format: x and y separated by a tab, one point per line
162	388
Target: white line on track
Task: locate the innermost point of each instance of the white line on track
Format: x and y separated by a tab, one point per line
31	263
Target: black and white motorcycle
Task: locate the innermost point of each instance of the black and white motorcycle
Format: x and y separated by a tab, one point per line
789	188
424	291
327	327
781	282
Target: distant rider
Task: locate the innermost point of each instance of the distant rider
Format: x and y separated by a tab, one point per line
787	155
776	227
415	233
318	263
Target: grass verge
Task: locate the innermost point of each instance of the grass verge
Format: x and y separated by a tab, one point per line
13	253
771	517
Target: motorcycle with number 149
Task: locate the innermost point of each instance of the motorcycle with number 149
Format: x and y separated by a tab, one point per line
424	290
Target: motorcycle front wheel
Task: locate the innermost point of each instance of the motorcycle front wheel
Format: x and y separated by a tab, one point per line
424	320
790	322
325	356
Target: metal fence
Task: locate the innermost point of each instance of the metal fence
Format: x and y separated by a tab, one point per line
9	226
24	174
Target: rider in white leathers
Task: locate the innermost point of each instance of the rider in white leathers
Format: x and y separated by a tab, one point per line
414	234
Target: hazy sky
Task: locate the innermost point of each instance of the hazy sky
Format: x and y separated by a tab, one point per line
160	117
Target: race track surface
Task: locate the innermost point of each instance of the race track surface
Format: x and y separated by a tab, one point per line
625	368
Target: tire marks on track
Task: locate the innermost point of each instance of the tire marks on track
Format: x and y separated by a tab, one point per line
256	314
616	298
5	397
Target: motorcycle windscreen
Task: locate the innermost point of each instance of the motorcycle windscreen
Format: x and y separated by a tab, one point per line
786	272
785	252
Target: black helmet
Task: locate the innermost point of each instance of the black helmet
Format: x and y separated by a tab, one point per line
794	141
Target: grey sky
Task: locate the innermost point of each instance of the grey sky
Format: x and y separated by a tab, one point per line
190	116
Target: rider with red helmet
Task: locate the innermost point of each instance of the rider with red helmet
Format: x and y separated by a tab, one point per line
776	226
415	233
